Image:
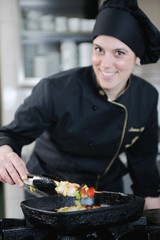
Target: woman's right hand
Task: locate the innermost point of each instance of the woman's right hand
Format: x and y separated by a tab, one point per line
12	168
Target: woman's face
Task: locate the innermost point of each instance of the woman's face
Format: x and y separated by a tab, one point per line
113	62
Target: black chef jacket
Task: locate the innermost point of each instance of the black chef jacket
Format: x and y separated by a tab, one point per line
79	133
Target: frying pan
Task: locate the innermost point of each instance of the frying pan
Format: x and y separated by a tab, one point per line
117	209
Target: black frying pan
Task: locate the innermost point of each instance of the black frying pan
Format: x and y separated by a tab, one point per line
122	209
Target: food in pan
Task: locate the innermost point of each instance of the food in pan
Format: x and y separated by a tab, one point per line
77	207
82	193
66	188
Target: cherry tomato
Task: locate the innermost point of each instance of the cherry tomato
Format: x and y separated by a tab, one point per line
91	192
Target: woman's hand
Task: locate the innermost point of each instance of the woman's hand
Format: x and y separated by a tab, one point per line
12	167
152	202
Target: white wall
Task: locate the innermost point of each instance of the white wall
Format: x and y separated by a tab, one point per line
11	95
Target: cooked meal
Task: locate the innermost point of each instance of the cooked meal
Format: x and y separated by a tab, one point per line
77	207
80	192
74	190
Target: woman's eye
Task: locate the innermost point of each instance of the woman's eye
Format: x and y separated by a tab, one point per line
120	53
98	49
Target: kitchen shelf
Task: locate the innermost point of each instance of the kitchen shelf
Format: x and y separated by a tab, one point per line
42	46
51	4
41	36
81	8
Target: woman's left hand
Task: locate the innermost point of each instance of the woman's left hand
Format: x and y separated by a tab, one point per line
152	202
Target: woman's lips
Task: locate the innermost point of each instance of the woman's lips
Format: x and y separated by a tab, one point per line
107	75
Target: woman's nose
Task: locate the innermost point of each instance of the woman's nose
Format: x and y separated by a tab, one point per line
107	60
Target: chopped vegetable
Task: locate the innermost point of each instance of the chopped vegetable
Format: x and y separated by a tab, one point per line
66	188
77	195
79	192
77	207
91	192
32	189
83	191
74	190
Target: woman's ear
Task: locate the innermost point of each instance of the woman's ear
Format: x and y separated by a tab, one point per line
138	61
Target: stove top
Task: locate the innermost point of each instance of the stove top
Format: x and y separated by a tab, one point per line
19	229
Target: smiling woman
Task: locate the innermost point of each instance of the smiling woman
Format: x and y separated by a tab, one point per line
81	120
113	62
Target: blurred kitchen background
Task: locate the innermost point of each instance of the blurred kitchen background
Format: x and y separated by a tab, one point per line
42	37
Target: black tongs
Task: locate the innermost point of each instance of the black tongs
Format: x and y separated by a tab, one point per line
44	185
41	185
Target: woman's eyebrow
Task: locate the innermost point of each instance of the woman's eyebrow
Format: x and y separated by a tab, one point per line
121	49
114	49
96	44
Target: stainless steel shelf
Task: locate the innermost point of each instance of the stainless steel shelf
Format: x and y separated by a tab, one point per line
47	37
51	3
68	7
39	40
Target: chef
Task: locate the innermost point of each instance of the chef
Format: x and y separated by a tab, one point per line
82	119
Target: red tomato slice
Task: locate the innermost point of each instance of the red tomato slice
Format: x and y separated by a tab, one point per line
91	192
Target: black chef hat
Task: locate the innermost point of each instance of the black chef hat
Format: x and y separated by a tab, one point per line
124	20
